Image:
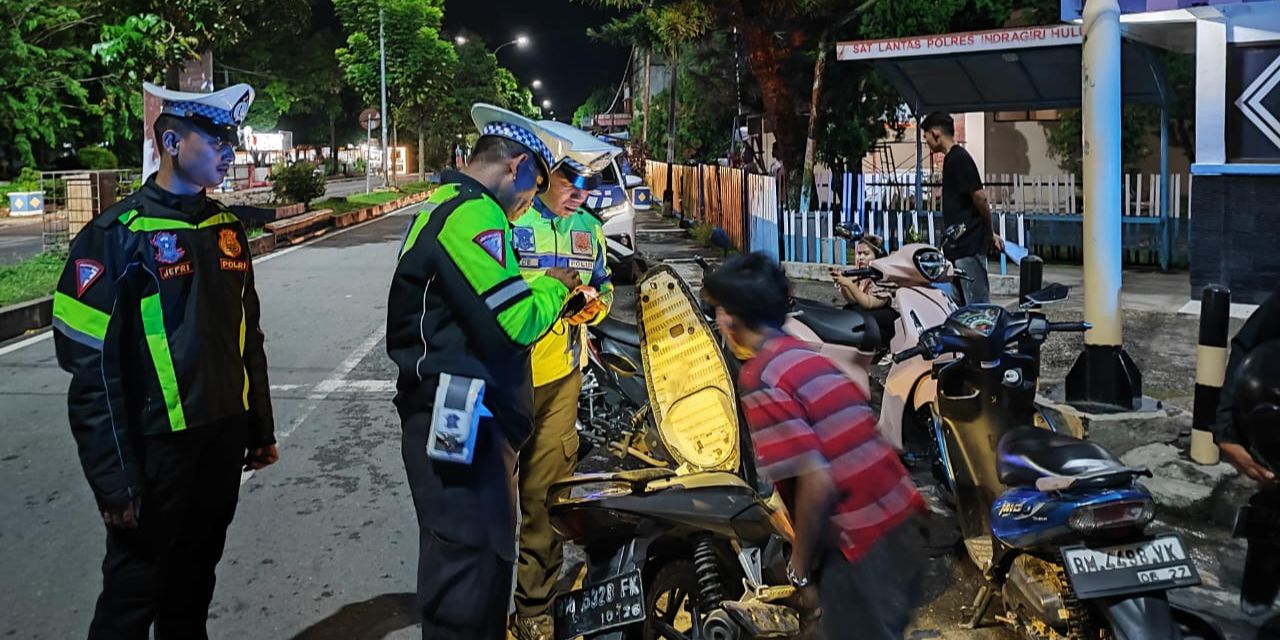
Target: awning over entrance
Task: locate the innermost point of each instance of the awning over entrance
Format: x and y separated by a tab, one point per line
1001	70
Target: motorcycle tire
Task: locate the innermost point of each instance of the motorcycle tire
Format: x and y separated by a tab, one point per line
671	602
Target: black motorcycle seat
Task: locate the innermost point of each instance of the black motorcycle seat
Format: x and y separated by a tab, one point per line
1028	454
844	327
618	331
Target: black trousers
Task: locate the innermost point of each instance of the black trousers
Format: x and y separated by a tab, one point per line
162	572
872	598
466	533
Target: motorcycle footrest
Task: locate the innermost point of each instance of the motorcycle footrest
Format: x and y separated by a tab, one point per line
764	620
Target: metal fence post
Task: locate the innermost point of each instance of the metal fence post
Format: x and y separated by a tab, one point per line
1211	370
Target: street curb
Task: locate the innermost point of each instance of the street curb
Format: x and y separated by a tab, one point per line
20	318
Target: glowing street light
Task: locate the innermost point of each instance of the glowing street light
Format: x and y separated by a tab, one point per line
546	104
461	40
536	84
521	41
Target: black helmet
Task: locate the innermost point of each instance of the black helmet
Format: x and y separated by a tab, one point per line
1257	402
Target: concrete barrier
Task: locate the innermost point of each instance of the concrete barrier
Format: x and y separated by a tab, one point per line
20	318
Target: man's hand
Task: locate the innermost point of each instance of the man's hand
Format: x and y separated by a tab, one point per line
1239	458
570	277
124	516
588	313
261	458
998	242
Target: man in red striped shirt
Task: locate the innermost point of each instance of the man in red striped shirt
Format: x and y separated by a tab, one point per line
855	509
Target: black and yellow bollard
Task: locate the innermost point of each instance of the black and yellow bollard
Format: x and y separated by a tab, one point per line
1211	370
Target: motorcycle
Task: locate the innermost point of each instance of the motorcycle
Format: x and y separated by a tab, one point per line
912	274
1056	525
692	550
613	408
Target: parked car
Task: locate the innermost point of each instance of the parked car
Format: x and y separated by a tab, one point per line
615	203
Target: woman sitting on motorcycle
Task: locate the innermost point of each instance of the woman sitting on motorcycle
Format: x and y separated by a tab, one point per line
863	293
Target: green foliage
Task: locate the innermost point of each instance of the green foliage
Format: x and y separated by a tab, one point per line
701	234
97	158
596	103
1066	137
30	279
705	106
417	187
374	198
297	182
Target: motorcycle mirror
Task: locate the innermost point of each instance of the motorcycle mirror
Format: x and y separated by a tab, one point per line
852	233
621	365
1052	293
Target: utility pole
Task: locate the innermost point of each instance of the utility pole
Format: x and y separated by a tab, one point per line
382	54
668	199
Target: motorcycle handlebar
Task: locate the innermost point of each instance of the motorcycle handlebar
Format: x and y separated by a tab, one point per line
908	354
702	262
1069	326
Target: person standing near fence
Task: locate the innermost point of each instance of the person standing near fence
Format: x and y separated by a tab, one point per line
966	212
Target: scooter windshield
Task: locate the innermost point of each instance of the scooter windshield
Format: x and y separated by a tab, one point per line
691	392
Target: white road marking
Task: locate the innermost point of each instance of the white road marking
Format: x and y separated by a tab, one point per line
322	390
41	337
356	386
1239	310
285	387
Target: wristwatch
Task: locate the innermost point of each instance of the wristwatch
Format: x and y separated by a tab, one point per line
796	581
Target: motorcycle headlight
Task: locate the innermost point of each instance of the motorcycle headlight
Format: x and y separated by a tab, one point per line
598	490
931	264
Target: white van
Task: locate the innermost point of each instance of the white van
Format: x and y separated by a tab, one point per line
615	203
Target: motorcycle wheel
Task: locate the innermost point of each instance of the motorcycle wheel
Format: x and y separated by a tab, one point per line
671	604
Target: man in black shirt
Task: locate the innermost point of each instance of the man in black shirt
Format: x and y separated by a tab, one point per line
966	213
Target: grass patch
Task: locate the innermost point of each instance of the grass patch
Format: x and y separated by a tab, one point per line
417	187
375	198
30	279
255	232
339	206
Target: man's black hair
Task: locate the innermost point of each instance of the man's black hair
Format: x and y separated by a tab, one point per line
496	149
166	122
751	288
939	120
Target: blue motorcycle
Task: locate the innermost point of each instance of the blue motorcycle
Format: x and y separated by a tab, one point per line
1057	525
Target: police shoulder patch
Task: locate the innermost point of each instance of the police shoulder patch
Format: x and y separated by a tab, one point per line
494	244
87	273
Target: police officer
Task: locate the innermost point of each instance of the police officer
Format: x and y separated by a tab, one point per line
156	319
460	320
557	232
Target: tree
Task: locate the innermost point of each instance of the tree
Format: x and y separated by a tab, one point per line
595	104
420	65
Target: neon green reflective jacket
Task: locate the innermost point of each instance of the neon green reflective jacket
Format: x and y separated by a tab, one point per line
545	240
459	305
156	318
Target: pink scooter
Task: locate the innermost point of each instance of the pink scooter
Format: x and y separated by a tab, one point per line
910	274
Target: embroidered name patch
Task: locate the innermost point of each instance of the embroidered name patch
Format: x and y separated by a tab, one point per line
229	264
176	270
87	273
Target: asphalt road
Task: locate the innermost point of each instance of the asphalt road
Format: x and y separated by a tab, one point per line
19	239
324	543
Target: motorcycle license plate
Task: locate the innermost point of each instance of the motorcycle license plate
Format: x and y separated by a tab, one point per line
616	602
1157	564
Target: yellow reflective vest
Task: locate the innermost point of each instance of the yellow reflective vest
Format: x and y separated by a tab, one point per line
544	240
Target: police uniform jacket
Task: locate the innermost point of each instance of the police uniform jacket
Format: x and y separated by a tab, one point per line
156	319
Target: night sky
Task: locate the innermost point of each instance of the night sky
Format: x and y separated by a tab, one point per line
569	64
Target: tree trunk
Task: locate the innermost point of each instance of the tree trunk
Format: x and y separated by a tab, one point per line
779	102
395	142
333	145
811	141
422	154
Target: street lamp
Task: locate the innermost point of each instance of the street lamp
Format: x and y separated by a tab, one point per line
546	104
520	41
461	40
536	84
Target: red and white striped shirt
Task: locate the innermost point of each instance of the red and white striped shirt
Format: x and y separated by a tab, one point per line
805	414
